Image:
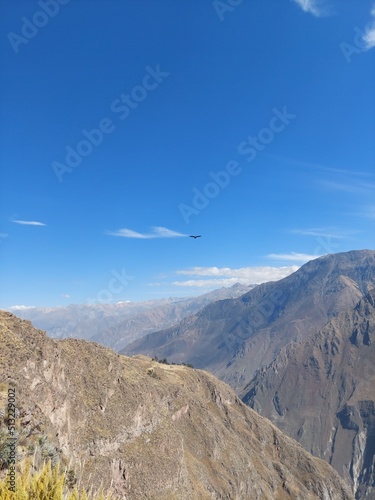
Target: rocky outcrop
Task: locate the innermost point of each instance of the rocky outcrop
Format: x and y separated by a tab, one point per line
142	429
322	393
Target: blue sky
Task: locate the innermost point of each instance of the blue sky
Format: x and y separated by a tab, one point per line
127	126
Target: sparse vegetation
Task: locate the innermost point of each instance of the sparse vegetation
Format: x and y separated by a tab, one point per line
47	483
4	449
151	373
164	361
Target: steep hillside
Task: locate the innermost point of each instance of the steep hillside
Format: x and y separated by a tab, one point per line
147	430
234	338
322	393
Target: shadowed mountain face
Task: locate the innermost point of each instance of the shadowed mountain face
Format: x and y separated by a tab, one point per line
322	393
234	338
147	430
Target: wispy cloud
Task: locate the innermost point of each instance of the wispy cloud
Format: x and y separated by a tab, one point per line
325	232
324	168
292	257
347	181
156	232
369	37
3	236
349	186
29	222
368	212
313	7
226	276
65	296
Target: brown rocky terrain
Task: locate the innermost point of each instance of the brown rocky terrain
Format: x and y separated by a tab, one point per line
322	393
234	338
147	430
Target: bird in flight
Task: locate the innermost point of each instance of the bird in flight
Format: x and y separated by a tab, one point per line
195	236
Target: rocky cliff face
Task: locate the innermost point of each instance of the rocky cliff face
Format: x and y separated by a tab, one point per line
322	393
234	338
148	430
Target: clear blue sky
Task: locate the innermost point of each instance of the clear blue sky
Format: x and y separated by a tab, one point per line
279	94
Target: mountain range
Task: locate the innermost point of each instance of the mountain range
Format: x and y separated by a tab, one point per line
142	429
299	351
233	338
117	325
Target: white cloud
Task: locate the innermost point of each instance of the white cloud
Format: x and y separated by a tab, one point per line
126	233
226	276
163	232
65	296
29	222
369	37
156	232
311	6
210	283
293	256
3	235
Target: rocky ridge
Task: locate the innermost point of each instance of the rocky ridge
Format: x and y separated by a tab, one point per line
322	393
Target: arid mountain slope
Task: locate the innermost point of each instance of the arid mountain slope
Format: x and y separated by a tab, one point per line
322	393
234	338
147	430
